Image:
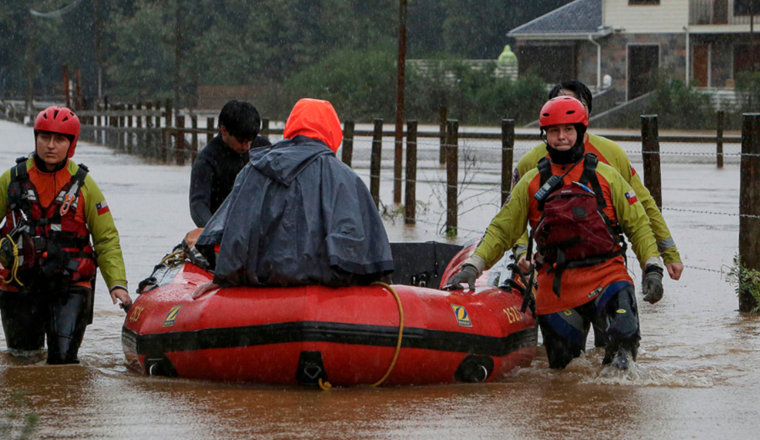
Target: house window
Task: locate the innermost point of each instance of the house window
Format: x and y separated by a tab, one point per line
643	2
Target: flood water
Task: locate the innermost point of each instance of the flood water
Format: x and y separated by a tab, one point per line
698	374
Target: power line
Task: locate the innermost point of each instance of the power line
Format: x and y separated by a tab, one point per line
59	13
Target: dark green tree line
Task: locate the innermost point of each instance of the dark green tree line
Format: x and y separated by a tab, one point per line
145	49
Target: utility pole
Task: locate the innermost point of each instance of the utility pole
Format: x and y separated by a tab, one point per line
29	67
97	35
177	53
399	150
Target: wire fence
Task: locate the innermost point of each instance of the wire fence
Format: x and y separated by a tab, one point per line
164	135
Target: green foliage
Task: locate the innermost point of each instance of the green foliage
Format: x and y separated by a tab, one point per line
234	42
360	84
18	422
473	96
680	107
748	85
747	281
142	68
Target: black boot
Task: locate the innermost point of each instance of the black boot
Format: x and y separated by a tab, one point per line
622	356
623	330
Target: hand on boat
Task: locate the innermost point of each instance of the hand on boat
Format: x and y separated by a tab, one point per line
203	288
524	265
468	274
122	295
674	270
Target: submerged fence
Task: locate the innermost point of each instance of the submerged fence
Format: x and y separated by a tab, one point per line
448	171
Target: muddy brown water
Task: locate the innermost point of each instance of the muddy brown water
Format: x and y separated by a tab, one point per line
697	375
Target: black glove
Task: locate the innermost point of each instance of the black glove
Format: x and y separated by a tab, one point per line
652	284
467	274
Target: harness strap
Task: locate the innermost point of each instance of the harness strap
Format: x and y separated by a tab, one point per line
75	186
16	190
545	170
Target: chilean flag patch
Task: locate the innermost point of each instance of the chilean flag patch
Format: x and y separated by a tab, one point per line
633	171
630	195
103	207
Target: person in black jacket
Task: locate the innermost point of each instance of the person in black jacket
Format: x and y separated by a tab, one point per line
218	164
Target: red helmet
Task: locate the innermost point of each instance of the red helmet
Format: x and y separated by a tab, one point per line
59	120
563	110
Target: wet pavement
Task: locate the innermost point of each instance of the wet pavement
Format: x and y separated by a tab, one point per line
697	375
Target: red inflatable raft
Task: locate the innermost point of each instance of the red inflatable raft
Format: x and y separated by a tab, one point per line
397	335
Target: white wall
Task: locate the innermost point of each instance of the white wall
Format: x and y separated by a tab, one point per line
667	17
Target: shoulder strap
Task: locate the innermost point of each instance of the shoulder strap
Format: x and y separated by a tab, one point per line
20	195
19	171
75	186
545	169
589	177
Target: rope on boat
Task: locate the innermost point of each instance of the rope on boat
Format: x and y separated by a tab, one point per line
400	332
175	258
325	385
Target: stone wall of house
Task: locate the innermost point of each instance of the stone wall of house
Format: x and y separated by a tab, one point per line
587	64
615	55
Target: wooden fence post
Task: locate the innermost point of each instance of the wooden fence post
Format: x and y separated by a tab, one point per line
111	131
348	143
120	125
442	118
194	138
210	128
180	140
98	133
146	148
507	156
265	126
139	116
376	161
129	140
452	176
142	137
749	203
410	201
650	150
168	114
159	134
719	152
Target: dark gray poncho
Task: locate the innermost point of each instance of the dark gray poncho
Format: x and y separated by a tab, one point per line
297	215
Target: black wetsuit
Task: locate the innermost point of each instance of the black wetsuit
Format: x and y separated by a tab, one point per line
62	316
213	176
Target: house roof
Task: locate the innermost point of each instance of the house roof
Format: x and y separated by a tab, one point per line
574	20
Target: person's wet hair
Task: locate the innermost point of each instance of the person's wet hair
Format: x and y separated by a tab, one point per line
581	92
241	119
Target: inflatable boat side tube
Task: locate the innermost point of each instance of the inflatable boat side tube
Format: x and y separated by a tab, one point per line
311	331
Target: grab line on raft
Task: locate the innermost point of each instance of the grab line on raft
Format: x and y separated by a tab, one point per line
400	332
327	385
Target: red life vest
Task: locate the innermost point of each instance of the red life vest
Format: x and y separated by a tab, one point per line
574	231
53	247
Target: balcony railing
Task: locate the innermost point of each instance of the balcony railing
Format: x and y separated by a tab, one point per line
714	12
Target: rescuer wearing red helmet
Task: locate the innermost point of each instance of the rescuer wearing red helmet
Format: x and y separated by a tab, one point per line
610	153
578	209
52	207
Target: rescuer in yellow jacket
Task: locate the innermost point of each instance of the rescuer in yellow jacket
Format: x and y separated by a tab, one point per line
52	207
610	153
578	209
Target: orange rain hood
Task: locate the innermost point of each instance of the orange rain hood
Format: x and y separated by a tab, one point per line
316	119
